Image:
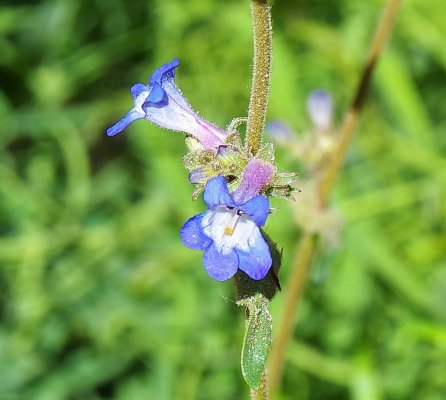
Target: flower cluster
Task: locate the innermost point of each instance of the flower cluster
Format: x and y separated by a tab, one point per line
315	146
314	149
228	232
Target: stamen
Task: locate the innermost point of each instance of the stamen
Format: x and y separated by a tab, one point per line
229	230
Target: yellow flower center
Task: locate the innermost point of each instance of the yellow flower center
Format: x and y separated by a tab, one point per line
229	230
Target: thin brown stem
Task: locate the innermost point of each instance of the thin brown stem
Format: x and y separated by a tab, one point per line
261	75
351	118
307	245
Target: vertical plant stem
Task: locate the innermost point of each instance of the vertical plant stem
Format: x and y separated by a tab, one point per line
261	15
263	392
351	118
258	103
307	244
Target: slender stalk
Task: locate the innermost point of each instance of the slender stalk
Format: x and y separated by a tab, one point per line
348	126
258	103
261	75
307	245
262	393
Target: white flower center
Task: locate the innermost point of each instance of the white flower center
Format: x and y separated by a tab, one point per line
229	228
139	101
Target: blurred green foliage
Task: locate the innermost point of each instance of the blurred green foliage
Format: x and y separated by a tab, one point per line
98	297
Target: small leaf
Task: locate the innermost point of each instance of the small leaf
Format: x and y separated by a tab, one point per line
257	341
266	152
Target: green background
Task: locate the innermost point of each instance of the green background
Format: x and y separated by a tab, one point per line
99	299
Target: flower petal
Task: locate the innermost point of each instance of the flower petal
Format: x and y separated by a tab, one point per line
257	262
218	266
166	107
163	89
257	208
257	174
131	116
192	233
137	89
166	71
157	98
216	193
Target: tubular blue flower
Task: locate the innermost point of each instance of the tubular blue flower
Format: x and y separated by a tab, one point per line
162	103
228	233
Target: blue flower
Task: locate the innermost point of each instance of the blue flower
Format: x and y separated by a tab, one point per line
162	103
229	234
320	109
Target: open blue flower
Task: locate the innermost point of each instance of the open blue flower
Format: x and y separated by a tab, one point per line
162	103
229	233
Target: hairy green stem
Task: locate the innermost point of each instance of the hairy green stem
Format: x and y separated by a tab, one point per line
307	245
261	75
263	392
258	103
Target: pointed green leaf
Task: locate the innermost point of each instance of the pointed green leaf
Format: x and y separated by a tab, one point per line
257	341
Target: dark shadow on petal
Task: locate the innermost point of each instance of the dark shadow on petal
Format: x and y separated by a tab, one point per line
247	287
157	98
